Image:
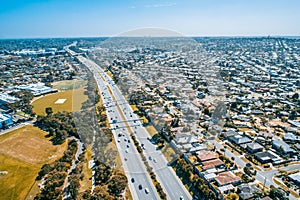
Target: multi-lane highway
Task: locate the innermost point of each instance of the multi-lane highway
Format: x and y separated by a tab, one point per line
124	122
140	184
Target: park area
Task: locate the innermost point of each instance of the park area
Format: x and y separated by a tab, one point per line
22	154
70	101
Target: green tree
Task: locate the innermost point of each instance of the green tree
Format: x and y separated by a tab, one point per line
102	174
275	193
117	184
295	96
48	111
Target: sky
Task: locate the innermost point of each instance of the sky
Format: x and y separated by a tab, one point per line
94	18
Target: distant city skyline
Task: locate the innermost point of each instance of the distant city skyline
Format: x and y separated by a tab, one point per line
94	18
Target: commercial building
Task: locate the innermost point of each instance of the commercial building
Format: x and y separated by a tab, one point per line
5	120
6	99
37	89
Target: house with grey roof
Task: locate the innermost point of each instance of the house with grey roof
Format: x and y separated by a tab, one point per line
290	137
254	147
239	139
283	148
246	191
295	178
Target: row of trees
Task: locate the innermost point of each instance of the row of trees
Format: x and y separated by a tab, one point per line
92	121
197	185
53	175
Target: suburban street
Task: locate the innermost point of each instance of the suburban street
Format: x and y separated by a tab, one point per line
262	176
118	110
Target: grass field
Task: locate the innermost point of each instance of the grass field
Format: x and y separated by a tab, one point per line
69	84
74	100
22	153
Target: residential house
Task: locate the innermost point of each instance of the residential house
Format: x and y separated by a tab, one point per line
295	178
246	191
267	157
226	178
215	163
254	147
290	137
205	155
239	139
283	148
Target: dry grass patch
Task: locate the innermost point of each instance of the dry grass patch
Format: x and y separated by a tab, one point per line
86	182
29	144
169	153
74	100
151	130
22	154
134	108
109	74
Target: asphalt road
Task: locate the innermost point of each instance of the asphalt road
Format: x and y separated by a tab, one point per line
262	176
140	183
118	109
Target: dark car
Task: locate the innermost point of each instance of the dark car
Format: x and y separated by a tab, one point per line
132	180
140	187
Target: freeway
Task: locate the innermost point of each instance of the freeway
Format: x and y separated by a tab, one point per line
134	167
140	183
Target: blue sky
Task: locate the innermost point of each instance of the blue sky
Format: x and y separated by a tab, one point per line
88	18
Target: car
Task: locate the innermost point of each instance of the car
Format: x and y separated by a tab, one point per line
132	180
140	187
146	190
118	140
154	160
127	146
150	158
128	141
181	198
126	151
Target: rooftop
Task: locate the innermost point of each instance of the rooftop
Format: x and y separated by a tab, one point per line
225	178
205	155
